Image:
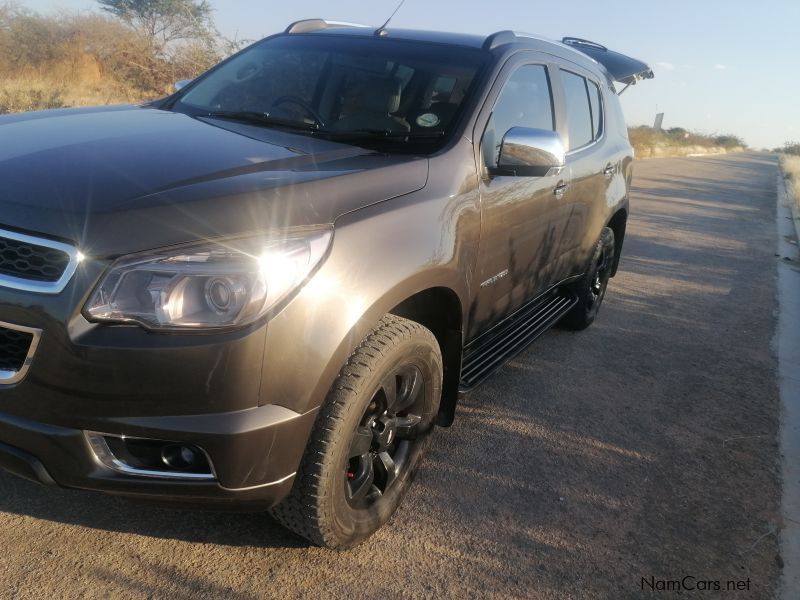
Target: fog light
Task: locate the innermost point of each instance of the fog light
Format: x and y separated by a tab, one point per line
180	457
145	457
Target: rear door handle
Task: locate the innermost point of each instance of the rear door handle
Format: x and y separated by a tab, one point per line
560	189
609	170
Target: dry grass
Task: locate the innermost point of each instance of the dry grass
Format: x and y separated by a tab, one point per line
791	166
79	59
649	142
41	93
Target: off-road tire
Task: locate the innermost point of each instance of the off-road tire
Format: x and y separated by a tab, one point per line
591	288
319	505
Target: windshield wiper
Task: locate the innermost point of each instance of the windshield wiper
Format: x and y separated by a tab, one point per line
260	118
378	134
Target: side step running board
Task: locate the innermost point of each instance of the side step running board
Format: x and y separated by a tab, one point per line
509	337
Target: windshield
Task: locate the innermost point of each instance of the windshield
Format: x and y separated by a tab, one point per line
397	95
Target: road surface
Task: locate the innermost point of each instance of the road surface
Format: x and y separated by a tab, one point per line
639	452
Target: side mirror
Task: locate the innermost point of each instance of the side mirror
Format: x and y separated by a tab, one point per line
179	85
529	153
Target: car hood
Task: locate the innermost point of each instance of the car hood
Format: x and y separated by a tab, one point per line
123	179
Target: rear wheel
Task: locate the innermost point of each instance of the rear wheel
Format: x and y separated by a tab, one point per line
591	288
369	438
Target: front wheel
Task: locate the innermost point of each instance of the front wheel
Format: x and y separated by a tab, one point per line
591	288
369	438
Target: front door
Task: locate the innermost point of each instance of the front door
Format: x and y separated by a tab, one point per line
522	217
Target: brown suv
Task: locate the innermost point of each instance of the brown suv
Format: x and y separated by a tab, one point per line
267	289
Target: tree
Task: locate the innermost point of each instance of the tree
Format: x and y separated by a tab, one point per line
790	148
163	22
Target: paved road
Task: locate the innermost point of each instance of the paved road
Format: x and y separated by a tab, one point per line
643	447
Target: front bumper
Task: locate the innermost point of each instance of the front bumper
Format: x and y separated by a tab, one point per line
259	448
204	390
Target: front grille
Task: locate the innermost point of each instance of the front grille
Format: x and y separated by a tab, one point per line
31	261
14	347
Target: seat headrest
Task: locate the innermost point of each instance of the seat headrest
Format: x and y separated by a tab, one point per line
381	95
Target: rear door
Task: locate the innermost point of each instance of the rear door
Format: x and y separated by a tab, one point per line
591	164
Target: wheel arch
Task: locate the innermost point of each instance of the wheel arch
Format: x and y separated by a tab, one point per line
439	310
618	223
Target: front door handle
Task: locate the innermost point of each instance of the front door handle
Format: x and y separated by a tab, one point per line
560	189
609	170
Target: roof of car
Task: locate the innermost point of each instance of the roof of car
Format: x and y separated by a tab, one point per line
417	35
495	41
590	54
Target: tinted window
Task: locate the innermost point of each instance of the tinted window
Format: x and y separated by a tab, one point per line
525	101
579	116
597	109
342	85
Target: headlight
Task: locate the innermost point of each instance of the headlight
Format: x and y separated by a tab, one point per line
223	284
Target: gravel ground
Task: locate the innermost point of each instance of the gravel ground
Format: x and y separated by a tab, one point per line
644	447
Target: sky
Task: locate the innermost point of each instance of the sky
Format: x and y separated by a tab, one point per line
722	66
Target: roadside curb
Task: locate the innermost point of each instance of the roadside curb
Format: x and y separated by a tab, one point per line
787	346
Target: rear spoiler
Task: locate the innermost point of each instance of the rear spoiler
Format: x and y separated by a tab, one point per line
622	68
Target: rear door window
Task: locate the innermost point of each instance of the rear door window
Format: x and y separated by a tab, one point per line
579	113
596	101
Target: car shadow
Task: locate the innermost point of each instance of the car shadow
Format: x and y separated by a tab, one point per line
100	511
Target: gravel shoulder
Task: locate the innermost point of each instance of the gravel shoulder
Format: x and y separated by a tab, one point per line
645	447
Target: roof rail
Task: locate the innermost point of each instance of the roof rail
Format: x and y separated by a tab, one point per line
574	41
308	25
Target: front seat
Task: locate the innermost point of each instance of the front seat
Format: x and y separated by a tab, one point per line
378	98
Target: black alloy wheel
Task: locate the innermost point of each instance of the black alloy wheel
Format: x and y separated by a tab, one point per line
385	437
370	436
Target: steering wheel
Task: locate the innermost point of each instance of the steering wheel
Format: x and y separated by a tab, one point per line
310	110
247	72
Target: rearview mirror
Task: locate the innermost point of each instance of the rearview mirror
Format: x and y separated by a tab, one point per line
529	153
179	85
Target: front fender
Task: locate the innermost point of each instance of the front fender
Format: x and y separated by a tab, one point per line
380	256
